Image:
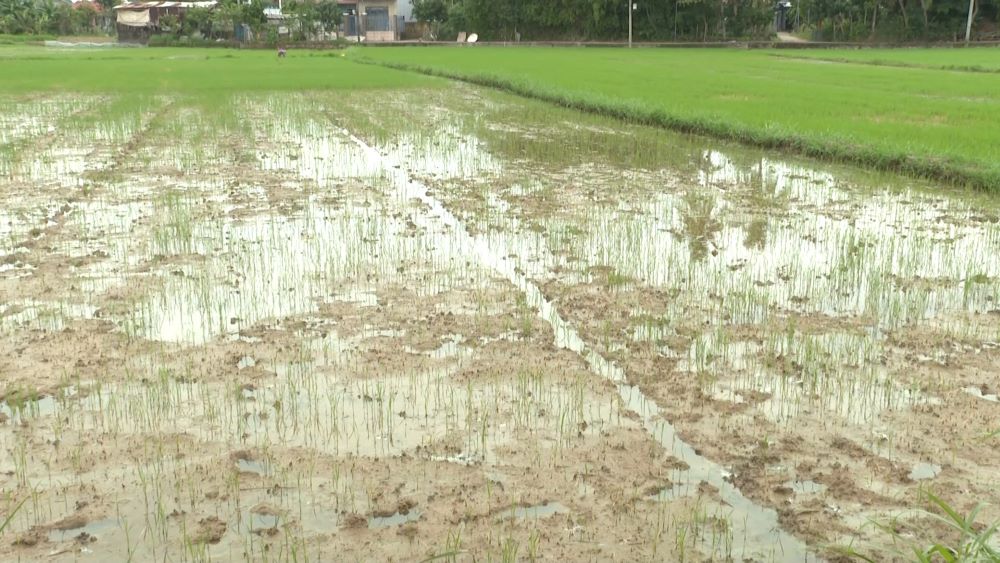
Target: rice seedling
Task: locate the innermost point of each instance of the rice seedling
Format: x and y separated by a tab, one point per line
11	513
974	541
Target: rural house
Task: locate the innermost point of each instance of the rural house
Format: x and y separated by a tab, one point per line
371	20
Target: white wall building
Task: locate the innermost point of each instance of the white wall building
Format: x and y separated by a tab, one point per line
405	9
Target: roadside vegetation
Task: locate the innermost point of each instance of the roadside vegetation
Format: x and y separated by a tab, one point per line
36	19
707	20
39	20
586	20
306	19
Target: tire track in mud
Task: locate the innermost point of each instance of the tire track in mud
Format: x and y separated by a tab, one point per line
756	530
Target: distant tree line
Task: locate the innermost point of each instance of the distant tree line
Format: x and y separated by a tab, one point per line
305	18
49	17
216	22
706	20
507	20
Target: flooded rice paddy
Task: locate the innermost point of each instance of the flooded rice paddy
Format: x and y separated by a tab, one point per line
307	327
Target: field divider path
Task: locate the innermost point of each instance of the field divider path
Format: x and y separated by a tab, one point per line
888	63
844	152
756	530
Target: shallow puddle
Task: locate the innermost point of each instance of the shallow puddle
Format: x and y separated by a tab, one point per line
311	405
45	316
761	523
261	523
274	266
535	512
923	471
87	533
798	375
782	291
22	407
807	487
978	393
396	519
252	466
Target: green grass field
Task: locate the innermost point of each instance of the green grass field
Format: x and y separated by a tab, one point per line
922	121
187	71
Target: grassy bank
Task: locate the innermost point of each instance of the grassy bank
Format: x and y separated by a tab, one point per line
978	59
6	39
923	122
187	71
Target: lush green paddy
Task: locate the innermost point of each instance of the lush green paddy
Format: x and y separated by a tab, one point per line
929	122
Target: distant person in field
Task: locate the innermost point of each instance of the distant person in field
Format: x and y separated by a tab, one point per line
281	52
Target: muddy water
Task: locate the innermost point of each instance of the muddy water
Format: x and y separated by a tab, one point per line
788	291
308	404
788	242
762	535
820	249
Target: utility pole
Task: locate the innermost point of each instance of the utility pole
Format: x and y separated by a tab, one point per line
631	7
968	24
675	19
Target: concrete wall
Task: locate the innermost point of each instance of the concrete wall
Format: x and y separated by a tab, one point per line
375	36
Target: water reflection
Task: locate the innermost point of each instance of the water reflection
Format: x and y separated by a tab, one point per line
700	224
739	245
